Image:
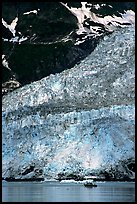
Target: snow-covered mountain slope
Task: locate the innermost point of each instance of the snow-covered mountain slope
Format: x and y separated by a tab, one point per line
78	122
92	18
43	38
92	23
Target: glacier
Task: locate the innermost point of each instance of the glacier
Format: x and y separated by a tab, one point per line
77	123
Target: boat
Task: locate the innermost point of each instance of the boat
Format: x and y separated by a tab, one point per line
90	184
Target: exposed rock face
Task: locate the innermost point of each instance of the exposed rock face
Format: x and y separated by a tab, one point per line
80	121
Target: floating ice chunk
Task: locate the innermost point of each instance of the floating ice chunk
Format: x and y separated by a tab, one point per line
73	181
68	181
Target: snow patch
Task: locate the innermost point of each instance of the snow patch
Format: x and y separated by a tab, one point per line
17	39
97	6
5	39
34	11
5	62
12	26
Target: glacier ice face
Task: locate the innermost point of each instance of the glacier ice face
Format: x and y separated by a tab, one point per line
71	142
80	121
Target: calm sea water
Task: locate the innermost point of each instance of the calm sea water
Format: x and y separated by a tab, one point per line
54	191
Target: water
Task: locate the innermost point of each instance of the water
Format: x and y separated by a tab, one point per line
54	191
